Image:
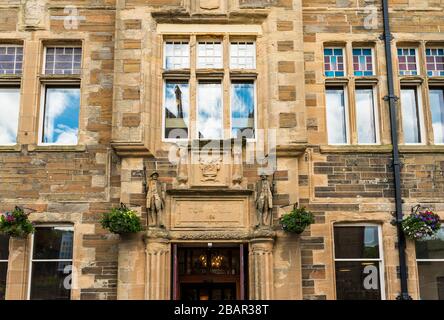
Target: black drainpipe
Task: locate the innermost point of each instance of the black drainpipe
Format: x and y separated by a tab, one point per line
392	99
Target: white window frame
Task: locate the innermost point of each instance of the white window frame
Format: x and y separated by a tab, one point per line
376	115
214	42
220	81
421	119
373	61
178	41
430	107
61	46
8	45
255	109
165	139
31	254
426	260
254	55
19	87
347	115
344	55
418	69
43	88
381	254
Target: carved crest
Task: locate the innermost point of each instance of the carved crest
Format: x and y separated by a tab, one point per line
33	13
209	168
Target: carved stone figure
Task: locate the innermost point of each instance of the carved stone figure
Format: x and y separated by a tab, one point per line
155	200
33	13
210	169
264	201
237	167
182	166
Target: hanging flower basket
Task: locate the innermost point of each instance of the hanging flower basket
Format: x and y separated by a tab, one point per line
16	223
421	224
297	220
121	220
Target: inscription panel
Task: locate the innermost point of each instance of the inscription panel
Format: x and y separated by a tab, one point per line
209	213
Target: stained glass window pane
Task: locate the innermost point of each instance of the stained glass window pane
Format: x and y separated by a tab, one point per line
407	62
334	62
363	62
435	61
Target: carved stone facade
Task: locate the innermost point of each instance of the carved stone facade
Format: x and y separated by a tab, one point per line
209	197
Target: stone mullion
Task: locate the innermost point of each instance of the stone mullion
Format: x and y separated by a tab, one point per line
226	103
351	93
193	88
425	91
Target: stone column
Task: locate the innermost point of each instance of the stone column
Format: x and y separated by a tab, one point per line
131	268
158	265
18	269
261	268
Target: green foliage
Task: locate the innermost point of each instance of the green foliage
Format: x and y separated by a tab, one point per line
16	223
121	220
297	220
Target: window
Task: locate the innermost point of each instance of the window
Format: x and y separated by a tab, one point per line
430	261
358	262
51	263
177	55
435	61
407	62
11	59
10	109
411	115
334	62
60	102
363	61
366	115
4	253
336	115
63	60
177	97
437	111
61	115
210	110
209	54
242	55
195	105
242	109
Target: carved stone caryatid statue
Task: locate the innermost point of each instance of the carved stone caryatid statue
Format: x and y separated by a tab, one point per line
182	166
237	167
264	201
155	200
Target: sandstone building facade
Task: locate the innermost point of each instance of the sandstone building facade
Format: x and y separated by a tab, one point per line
96	96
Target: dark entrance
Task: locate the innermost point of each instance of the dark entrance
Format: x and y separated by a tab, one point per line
214	272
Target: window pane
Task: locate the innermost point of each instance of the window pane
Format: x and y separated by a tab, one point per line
242	109
61	118
210	113
435	61
356	242
3	273
365	116
10	108
242	55
11	59
431	280
176	109
53	243
410	116
407	62
51	280
336	118
63	60
209	55
357	280
177	55
334	62
4	247
431	249
363	61
437	110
